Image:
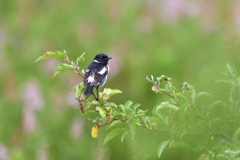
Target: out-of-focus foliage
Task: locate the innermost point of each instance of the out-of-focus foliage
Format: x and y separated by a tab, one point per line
214	127
184	39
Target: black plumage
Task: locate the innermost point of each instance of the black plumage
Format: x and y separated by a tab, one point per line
96	73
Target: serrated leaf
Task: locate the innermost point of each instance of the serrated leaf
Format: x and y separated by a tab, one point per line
50	54
161	147
115	123
180	145
124	135
102	112
81	58
112	134
63	66
132	129
236	135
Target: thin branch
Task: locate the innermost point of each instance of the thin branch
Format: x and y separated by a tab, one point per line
158	87
75	67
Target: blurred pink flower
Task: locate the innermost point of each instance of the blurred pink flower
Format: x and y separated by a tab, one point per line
114	64
71	100
49	66
144	24
173	10
236	15
117	52
3	152
32	100
29	120
32	96
76	128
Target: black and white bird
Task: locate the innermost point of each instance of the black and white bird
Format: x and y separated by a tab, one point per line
96	73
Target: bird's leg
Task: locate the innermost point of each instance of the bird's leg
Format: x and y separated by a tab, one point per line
97	93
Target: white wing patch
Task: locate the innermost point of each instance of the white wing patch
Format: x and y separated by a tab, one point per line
95	61
103	71
90	79
87	70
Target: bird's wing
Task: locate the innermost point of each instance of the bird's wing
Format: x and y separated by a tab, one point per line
87	73
99	75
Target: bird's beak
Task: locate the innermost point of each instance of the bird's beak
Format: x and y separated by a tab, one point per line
109	58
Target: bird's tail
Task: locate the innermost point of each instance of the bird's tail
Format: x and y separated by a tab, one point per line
89	89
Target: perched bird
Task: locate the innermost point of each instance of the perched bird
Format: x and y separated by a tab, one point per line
96	73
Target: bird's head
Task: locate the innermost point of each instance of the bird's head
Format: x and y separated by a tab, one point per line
102	58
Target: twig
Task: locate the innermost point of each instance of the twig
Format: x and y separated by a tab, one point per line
75	67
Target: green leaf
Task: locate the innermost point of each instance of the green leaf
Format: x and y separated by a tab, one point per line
112	134
122	107
181	96
161	147
129	111
128	104
132	129
148	79
81	58
217	104
50	54
115	123
145	120
167	105
63	66
222	81
135	106
231	69
124	135
236	135
111	92
154	88
180	145
162	91
203	93
163	77
102	112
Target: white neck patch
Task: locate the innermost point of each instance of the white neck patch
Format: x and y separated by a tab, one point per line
95	61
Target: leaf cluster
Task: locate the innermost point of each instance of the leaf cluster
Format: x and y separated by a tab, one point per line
214	126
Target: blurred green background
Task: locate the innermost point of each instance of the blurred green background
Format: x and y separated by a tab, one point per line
187	40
